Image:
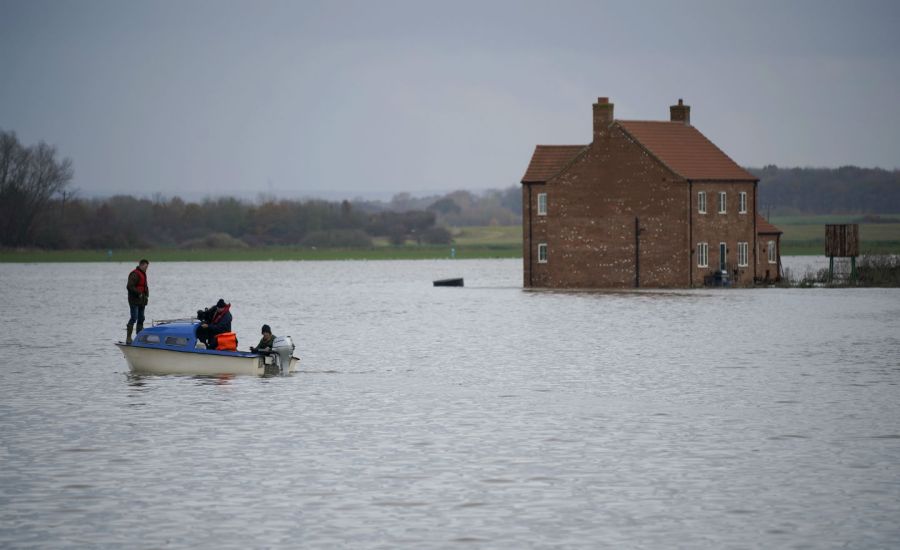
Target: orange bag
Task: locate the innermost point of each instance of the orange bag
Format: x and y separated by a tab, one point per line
227	341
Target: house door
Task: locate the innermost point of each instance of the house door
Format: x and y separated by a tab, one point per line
723	257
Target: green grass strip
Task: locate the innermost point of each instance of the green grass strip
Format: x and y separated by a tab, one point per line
262	254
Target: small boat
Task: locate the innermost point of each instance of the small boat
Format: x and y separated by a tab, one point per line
171	347
449	282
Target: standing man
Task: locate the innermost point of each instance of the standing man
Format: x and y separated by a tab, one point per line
138	292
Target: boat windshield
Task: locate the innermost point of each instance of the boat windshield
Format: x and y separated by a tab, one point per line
158	337
179	341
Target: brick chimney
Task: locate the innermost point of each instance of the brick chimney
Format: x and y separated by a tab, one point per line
603	116
680	113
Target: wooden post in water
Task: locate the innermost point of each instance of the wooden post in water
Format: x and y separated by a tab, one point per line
842	240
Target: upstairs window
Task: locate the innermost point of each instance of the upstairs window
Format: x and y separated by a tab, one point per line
542	204
721	202
702	254
742	203
542	253
701	202
743	254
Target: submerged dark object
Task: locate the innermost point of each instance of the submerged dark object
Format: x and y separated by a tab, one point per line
449	282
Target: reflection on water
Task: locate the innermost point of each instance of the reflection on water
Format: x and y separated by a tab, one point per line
425	417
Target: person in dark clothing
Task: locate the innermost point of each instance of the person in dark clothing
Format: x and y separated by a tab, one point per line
138	296
265	343
205	317
219	321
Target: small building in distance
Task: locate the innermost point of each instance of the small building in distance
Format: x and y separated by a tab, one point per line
645	204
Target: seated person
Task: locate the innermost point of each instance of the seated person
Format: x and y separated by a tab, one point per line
265	343
214	322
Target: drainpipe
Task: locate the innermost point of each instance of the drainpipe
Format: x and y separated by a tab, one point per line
755	235
778	252
530	240
637	252
690	233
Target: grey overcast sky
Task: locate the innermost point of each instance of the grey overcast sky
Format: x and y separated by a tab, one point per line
311	98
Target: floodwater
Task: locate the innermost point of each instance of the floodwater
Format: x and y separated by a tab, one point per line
476	417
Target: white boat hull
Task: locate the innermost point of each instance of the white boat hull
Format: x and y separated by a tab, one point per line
145	360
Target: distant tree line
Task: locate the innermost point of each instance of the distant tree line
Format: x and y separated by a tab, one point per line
38	209
459	208
123	221
844	190
129	222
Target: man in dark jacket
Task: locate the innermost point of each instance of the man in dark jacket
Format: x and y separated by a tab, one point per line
266	342
219	323
138	296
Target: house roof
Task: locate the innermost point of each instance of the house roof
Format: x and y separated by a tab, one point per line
549	160
685	150
763	227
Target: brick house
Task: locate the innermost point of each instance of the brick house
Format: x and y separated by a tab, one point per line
768	259
645	204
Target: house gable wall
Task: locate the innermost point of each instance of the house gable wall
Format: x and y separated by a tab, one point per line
589	228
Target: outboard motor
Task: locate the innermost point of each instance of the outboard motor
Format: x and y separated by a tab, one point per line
283	350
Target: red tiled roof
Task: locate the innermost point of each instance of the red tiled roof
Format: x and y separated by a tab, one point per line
548	160
685	150
763	227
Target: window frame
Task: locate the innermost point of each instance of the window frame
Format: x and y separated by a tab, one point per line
742	202
723	202
771	252
702	254
743	254
701	202
542	257
723	256
542	204
177	341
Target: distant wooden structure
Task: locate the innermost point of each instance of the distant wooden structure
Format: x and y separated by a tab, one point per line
842	241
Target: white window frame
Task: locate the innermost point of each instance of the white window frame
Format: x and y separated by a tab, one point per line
701	202
743	254
542	204
542	253
742	203
702	254
723	201
770	246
